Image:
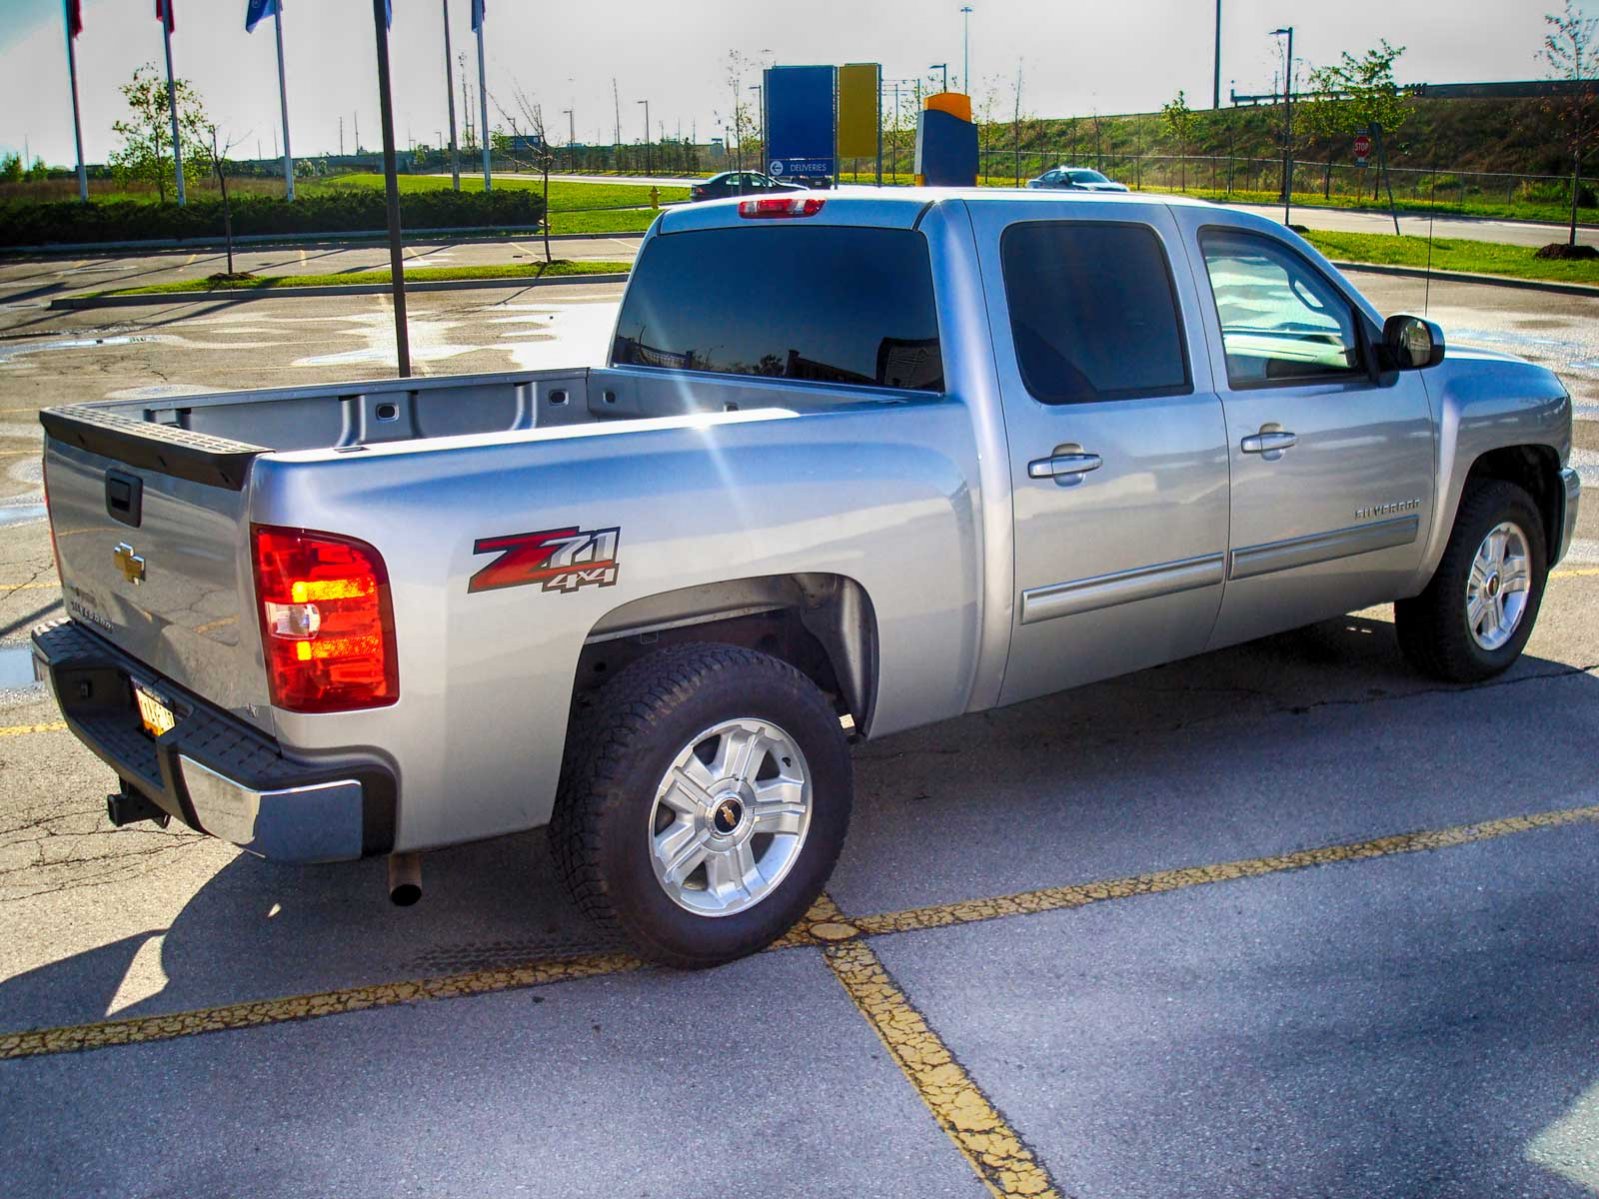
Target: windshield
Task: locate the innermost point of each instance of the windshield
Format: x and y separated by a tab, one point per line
1087	177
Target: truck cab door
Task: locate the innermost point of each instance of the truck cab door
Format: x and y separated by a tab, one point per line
1117	447
1332	464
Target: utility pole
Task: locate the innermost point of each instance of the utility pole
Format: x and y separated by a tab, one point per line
283	105
1288	121
966	48
571	127
165	13
357	131
1215	97
449	92
616	102
73	30
466	97
341	137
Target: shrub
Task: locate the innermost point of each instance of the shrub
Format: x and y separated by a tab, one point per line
26	224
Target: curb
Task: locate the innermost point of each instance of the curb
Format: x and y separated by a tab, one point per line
413	237
1416	272
239	295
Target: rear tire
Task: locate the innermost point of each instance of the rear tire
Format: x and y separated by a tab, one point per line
1476	615
705	803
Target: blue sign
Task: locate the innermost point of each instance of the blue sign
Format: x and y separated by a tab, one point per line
800	120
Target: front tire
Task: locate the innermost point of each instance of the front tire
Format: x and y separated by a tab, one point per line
1476	615
706	804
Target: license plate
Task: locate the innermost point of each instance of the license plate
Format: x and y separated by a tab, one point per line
155	714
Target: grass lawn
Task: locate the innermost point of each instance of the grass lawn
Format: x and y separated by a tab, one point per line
426	274
1452	254
625	220
564	197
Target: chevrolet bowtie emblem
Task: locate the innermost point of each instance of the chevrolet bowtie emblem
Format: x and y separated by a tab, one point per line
129	563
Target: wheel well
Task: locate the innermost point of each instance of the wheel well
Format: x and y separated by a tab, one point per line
1533	468
821	624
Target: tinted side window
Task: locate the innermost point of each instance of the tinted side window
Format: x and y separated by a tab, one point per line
1281	320
1092	312
833	305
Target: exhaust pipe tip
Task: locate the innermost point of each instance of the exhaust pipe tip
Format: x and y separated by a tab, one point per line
405	879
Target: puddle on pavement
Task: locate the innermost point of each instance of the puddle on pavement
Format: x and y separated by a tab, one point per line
18	514
16	668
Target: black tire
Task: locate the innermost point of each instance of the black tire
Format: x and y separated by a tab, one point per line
629	738
1433	629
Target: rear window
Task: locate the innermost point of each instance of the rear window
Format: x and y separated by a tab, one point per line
1092	312
822	304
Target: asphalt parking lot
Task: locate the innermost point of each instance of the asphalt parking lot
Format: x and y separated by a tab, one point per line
1283	920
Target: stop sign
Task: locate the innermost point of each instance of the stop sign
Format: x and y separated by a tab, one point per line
1362	146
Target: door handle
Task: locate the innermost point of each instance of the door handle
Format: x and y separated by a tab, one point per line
1066	468
1268	443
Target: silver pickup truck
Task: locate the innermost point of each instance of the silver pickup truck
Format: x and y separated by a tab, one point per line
856	464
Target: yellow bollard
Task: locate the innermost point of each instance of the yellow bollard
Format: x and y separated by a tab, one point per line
655	197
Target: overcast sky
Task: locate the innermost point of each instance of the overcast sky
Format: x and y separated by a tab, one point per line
1121	56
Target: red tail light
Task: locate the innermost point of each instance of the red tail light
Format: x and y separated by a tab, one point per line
327	624
780	206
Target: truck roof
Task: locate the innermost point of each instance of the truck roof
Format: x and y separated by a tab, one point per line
897	207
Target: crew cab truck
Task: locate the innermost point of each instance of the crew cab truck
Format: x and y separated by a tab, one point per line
856	464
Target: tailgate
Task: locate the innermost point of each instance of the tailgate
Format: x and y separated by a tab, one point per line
153	542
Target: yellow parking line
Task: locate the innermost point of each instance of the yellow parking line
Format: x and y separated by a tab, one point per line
823	926
22	730
1049	899
10	587
139	1029
1576	572
1004	1164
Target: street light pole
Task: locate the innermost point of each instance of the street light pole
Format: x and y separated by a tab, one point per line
1288	121
571	127
1215	96
647	164
966	48
942	66
449	94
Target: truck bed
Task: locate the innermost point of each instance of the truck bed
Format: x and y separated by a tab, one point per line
211	438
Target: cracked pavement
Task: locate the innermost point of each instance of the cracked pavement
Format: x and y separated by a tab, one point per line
1415	1025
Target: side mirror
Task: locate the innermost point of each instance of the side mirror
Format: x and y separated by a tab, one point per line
1411	343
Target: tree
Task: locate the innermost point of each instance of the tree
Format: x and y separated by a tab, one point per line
11	168
214	155
146	151
1179	120
541	155
1569	49
1355	94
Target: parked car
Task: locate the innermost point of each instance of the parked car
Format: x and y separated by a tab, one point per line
739	183
856	464
1079	179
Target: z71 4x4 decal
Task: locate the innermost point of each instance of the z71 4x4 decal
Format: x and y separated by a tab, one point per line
560	559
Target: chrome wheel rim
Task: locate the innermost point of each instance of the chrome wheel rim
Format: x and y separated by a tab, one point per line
1498	586
730	817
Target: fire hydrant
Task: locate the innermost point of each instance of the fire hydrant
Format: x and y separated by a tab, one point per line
655	197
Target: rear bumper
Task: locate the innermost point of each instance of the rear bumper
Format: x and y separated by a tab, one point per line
1570	495
211	771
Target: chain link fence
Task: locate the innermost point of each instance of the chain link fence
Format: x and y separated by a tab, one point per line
1341	182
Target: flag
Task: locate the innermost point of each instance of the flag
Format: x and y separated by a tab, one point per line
477	15
74	17
388	14
163	13
256	11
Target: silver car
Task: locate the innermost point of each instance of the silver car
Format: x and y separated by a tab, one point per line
1078	179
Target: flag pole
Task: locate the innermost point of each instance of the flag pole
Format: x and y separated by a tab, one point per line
483	98
283	102
402	340
172	98
77	124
